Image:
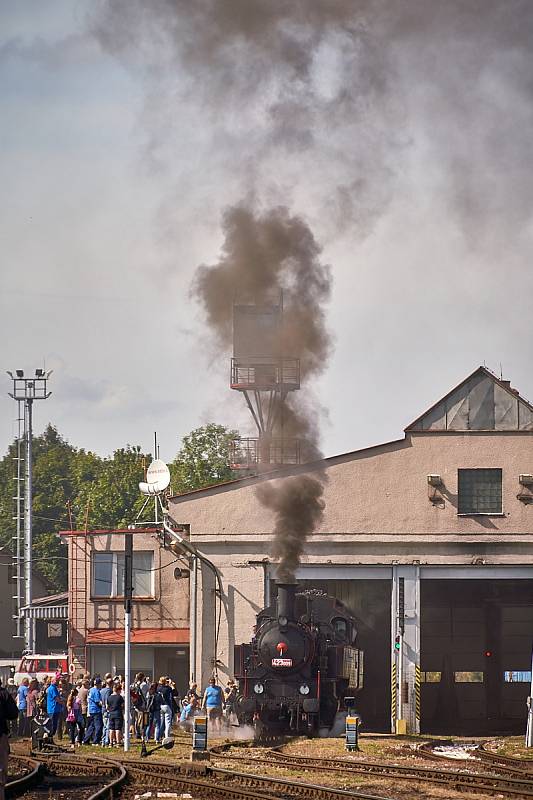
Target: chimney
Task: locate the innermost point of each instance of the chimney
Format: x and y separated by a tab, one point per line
285	604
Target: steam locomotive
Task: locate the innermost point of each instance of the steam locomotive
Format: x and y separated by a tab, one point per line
301	664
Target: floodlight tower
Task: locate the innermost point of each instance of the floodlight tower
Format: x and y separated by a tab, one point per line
265	375
26	390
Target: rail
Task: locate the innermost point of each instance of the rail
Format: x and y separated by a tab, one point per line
66	766
24	782
510	785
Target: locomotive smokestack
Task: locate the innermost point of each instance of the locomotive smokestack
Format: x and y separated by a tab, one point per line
286	600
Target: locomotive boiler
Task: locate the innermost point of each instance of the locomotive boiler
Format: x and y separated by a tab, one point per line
301	664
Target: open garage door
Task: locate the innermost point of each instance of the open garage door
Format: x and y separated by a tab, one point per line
369	600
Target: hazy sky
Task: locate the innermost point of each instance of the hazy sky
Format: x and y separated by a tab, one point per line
402	133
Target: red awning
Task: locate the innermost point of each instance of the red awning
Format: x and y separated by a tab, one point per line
138	636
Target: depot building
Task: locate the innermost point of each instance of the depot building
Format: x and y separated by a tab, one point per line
428	539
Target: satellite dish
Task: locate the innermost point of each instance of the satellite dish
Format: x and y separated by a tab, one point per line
157	478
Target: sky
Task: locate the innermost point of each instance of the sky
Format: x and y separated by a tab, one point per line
401	133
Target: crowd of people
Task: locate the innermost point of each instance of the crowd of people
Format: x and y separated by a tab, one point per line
92	710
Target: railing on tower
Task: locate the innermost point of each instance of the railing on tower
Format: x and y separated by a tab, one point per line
248	453
265	373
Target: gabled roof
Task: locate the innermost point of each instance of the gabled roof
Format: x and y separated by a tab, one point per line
481	402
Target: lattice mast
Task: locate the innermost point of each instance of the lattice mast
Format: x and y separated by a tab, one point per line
18	518
26	390
265	375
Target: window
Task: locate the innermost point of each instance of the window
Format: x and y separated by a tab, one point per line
517	676
340	627
468	677
480	491
108	574
430	677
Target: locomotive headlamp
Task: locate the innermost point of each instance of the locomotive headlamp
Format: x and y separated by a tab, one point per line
304	689
259	688
282	621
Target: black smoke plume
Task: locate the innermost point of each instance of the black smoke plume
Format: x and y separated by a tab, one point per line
298	505
262	254
351	93
349	109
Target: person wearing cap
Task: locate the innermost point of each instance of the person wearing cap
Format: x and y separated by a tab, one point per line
93	733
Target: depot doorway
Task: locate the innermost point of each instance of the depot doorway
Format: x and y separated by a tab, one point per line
370	602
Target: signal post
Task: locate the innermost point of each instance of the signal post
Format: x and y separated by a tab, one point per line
405	647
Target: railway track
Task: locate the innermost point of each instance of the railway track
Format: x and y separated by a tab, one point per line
523	765
27	775
223	784
80	779
512	785
127	778
521	768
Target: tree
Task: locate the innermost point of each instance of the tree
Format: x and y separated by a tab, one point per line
112	494
100	492
103	492
204	458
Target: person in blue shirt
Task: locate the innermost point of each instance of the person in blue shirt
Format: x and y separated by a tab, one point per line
188	711
94	711
22	705
212	702
54	705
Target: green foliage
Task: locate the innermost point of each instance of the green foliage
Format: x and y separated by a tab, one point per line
204	458
102	492
112	492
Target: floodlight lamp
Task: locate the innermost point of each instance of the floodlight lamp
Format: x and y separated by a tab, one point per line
20	373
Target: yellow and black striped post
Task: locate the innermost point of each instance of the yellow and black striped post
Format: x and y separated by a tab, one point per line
394	695
417	697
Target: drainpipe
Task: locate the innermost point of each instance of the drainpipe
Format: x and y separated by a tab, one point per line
194	614
191	550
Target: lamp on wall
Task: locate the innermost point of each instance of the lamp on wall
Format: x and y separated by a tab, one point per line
525	495
434	484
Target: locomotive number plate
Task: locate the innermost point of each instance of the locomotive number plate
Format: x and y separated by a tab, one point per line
282	662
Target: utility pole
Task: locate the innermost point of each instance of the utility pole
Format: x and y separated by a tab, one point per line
26	390
128	593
